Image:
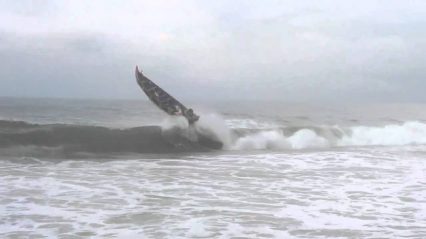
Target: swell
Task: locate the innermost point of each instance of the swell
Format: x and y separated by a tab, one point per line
59	140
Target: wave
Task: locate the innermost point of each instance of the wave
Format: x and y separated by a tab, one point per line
60	140
19	138
408	133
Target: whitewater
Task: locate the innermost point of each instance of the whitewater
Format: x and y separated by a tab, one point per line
109	169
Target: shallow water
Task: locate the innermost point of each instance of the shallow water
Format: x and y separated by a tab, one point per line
355	194
338	191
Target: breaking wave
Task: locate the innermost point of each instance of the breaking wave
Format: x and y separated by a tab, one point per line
408	133
60	140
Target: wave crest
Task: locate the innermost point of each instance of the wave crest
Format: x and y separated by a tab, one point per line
408	133
58	140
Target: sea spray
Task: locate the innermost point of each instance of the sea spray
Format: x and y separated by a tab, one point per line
210	126
173	122
213	125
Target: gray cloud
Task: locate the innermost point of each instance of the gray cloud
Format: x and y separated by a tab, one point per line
240	50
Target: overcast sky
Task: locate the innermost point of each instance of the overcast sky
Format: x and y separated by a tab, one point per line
283	50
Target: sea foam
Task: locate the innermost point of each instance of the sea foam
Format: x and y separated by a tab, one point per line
259	138
408	133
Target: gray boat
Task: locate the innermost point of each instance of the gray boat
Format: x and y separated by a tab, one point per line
164	100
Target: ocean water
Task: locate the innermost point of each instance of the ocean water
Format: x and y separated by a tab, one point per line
107	169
